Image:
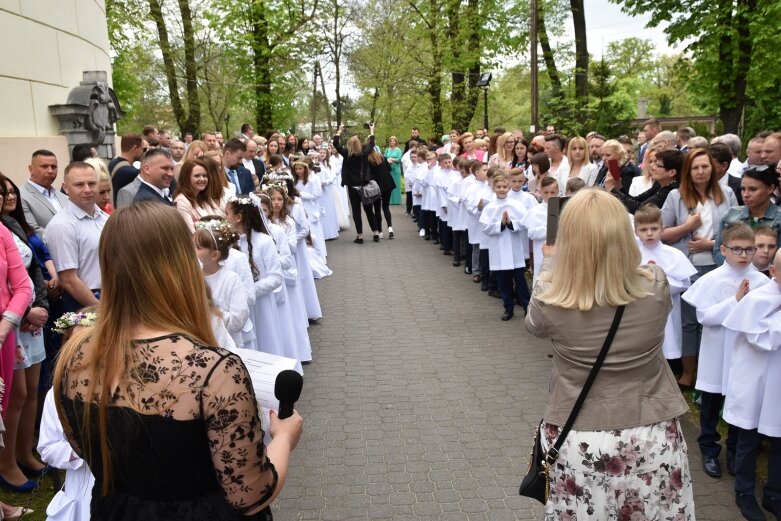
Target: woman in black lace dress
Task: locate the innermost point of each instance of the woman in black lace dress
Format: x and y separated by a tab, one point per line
168	424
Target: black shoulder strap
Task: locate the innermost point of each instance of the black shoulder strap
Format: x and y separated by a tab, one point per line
553	452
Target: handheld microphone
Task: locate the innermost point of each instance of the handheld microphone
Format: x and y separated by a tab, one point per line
287	390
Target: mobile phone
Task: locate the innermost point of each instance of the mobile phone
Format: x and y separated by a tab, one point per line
612	166
555	207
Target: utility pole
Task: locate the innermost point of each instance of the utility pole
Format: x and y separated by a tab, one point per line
533	43
314	98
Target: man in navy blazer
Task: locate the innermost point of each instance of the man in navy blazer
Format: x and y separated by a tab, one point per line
232	160
157	172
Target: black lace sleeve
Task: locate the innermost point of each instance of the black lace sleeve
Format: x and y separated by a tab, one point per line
230	413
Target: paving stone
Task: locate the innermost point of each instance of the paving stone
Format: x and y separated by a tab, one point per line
420	403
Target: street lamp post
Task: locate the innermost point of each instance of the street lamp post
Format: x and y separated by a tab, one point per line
484	82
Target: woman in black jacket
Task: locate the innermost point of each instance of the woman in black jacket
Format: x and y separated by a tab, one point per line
353	177
381	172
665	172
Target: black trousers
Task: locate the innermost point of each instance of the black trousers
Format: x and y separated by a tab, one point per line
409	203
355	208
382	206
431	223
445	235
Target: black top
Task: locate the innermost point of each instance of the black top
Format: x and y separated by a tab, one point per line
185	435
656	195
382	174
352	166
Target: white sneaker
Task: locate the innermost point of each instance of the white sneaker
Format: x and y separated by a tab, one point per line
381	237
422	233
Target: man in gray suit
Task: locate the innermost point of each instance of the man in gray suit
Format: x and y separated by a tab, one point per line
40	200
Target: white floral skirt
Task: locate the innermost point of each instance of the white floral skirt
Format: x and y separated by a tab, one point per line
635	474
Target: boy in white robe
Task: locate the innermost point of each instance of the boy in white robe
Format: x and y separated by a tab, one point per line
442	180
476	195
501	224
648	227
527	200
766	241
754	390
418	173
713	296
430	205
456	200
536	221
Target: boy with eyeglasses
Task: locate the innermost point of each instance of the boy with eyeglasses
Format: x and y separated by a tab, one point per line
714	296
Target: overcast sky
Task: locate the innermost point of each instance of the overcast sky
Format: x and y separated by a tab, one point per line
606	23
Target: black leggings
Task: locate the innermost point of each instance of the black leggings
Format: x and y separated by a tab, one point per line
384	204
355	208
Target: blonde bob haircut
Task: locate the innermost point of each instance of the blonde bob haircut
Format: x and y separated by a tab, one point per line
597	261
577	140
618	149
150	277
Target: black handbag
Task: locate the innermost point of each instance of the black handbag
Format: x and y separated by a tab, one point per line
536	484
370	191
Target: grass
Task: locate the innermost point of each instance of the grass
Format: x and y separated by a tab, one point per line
38	500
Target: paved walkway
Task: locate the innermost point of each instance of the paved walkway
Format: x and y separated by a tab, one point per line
421	403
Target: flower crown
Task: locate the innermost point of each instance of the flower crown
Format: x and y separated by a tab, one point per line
276	186
279	176
219	229
69	320
250	200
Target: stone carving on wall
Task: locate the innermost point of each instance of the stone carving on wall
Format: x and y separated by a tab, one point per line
89	115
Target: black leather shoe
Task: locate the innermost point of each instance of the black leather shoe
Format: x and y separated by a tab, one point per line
483	287
427	237
731	462
376	238
447	252
711	466
467	270
749	507
456	263
494	293
507	316
436	241
358	240
774	507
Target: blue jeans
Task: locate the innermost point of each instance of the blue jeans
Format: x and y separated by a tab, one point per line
709	437
749	442
512	286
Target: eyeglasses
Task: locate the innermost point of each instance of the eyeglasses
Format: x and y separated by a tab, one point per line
737	250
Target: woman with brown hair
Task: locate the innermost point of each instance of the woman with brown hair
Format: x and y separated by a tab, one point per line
691	216
381	172
194	198
144	390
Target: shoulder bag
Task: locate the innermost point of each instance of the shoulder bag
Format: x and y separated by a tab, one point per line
536	483
370	191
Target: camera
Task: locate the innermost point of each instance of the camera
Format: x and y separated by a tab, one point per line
367	126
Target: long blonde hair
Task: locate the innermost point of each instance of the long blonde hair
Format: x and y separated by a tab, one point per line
597	261
354	147
150	277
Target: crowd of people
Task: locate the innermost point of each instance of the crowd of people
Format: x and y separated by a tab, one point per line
238	230
709	220
257	223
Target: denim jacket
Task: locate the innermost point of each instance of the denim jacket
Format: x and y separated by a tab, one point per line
771	219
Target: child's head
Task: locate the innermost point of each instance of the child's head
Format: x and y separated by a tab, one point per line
494	170
445	162
540	164
549	187
517	179
775	268
422	153
213	239
648	224
479	169
737	245
431	159
265	205
456	162
501	184
277	194
574	185
465	165
766	242
301	171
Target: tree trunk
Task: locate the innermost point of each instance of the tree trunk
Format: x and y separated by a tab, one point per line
581	49
547	56
156	11
734	93
463	114
261	62
337	68
457	76
435	78
193	120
